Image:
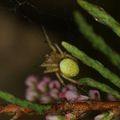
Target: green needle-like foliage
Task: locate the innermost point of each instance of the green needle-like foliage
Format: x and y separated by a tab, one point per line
96	40
100	15
23	103
100	86
108	116
95	64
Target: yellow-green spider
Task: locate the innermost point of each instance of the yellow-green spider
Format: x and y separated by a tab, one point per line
59	62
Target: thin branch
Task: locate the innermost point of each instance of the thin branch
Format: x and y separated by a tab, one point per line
80	108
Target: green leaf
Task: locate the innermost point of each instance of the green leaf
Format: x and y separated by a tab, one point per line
96	40
108	116
100	86
23	103
100	15
95	64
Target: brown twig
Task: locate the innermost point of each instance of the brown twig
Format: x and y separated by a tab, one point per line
79	108
17	110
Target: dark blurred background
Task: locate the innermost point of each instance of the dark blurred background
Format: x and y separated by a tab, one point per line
23	46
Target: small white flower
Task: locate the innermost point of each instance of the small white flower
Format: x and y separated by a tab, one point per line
52	117
82	98
99	117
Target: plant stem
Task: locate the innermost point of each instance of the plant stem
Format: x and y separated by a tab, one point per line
96	40
100	15
23	103
95	64
95	84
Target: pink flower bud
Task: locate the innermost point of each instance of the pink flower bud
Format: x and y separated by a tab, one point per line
69	92
94	94
31	95
54	84
54	94
71	96
62	95
111	98
31	81
46	80
82	98
42	86
45	99
69	116
69	87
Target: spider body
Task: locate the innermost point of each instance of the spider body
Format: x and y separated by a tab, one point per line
59	62
69	67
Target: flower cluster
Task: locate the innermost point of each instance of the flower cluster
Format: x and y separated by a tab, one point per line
47	90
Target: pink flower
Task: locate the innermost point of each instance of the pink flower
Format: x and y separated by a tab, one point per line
45	99
54	93
82	98
48	90
31	95
69	116
70	95
47	80
62	95
69	92
43	84
31	81
69	87
54	84
111	98
94	94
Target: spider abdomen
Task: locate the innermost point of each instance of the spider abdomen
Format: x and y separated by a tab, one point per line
69	67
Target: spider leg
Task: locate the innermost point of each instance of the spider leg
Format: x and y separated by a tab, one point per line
70	79
60	79
51	70
48	65
70	56
75	82
48	39
59	49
